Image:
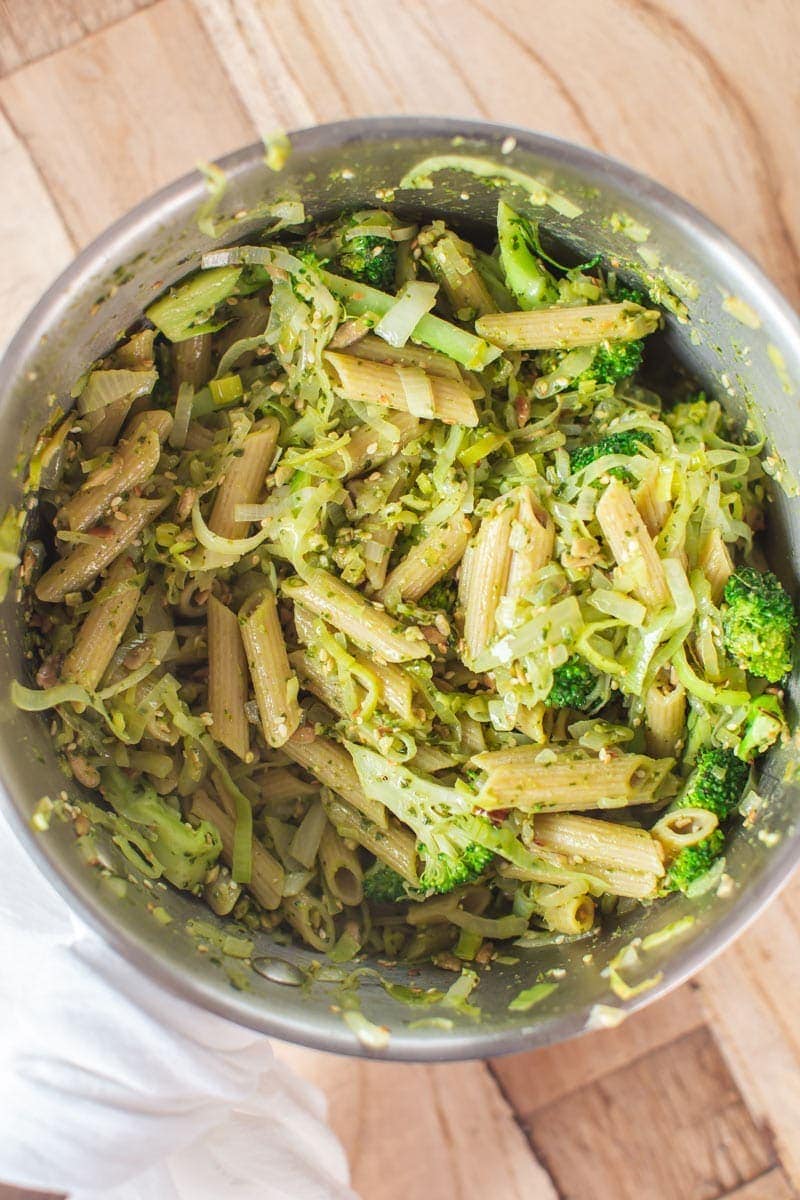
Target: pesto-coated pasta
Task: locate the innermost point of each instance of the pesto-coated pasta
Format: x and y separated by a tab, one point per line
375	571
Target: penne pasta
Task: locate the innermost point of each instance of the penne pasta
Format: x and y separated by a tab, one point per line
564	327
347	610
132	464
341	868
375	349
244	479
393	845
484	574
682	828
367	448
103	627
227	678
79	569
665	713
330	763
632	546
191	361
450	261
266	880
544	781
604	843
574	917
428	561
309	918
408	389
531	540
274	682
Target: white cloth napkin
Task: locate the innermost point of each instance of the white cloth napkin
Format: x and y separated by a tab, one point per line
112	1088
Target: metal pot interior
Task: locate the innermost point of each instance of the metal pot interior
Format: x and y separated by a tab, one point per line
351	165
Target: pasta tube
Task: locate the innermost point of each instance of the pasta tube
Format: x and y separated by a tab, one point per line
367	448
573	917
341	868
309	918
531	540
80	568
274	682
520	778
587	839
377	350
632	546
102	630
428	562
562	328
393	845
450	261
665	713
683	827
347	610
408	389
244	479
330	763
484	573
266	879
134	461
227	678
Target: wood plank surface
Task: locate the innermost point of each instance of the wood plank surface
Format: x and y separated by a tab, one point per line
30	29
102	101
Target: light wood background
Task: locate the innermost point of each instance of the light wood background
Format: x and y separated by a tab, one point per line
101	101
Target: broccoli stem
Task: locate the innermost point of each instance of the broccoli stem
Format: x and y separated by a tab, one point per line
531	284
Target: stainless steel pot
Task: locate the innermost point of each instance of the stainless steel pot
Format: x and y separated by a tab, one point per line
350	165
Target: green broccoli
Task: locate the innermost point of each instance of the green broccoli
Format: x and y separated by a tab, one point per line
625	441
716	783
184	853
693	862
441	596
383	885
453	844
574	685
764	724
628	291
615	361
525	273
759	623
371	260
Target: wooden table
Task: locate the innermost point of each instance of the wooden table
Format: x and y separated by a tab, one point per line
101	101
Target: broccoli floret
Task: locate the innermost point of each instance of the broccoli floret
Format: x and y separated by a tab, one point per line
716	782
694	861
625	441
615	361
441	596
454	845
184	853
759	623
764	724
383	885
627	291
574	685
371	260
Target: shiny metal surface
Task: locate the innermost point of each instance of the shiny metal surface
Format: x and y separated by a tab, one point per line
106	288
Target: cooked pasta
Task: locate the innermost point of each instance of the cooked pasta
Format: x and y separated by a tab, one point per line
373	569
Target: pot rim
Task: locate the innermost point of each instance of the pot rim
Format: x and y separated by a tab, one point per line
103	253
